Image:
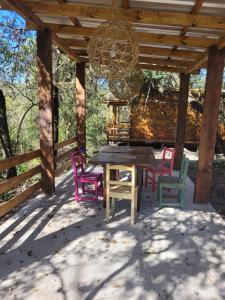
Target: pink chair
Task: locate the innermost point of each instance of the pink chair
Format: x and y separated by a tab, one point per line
165	167
83	177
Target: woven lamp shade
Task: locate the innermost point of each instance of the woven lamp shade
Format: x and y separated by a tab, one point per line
127	87
113	50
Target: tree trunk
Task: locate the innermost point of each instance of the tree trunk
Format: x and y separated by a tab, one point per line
4	134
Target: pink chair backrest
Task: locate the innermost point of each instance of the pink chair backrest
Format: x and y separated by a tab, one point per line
168	158
77	163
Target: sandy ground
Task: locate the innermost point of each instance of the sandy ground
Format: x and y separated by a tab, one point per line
54	248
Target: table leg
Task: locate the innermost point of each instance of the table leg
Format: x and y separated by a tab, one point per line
140	185
113	177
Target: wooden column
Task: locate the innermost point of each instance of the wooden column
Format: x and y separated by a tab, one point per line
80	105
55	120
181	119
45	91
213	88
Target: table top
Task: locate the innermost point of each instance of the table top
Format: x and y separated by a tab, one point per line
127	149
128	156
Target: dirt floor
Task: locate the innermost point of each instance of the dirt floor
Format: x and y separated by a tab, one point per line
218	186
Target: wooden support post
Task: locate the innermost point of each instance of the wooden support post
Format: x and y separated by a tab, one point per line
181	119
213	87
55	119
45	91
80	105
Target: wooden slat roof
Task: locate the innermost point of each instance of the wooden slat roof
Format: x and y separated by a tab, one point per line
174	35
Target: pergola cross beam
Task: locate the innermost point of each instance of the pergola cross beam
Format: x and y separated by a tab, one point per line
132	15
74	20
22	9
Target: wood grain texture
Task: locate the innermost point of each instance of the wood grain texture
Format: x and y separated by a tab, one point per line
131	15
6	185
45	117
80	105
18	159
14	202
181	119
209	128
65	143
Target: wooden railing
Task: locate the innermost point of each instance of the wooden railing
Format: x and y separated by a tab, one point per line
8	184
64	157
11	183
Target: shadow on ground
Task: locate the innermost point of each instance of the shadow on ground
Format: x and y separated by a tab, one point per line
54	248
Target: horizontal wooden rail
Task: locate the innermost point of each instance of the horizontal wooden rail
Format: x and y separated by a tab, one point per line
12	203
6	185
18	159
65	143
64	155
10	183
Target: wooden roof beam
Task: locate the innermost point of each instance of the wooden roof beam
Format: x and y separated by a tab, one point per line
163	68
148	50
204	58
165	62
74	20
132	15
146	66
26	13
156	66
142	37
155	51
158	61
198	4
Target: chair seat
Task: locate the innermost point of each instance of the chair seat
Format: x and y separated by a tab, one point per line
169	180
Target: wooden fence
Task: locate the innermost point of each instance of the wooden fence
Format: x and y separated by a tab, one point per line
8	184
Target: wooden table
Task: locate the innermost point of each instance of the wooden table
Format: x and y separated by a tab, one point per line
126	155
128	150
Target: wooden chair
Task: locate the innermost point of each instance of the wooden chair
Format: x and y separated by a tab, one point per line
165	167
83	177
120	189
177	183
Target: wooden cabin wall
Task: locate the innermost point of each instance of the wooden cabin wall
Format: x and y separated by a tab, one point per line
156	121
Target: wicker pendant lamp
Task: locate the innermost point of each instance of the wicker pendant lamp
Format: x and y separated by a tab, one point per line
113	50
127	87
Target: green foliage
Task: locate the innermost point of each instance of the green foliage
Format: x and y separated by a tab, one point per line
96	92
64	78
160	81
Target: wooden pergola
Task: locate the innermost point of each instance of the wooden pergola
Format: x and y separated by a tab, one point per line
174	36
